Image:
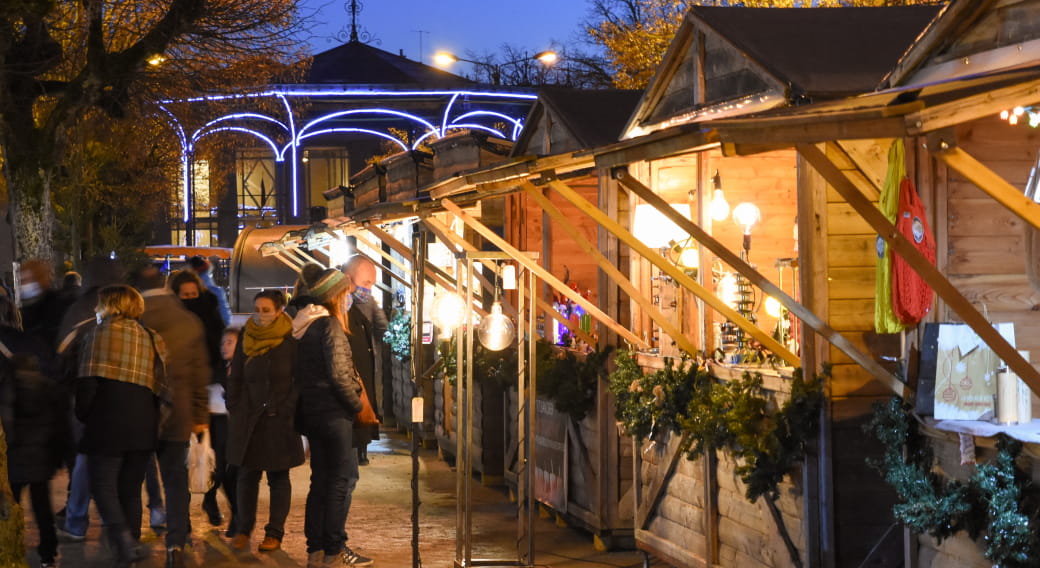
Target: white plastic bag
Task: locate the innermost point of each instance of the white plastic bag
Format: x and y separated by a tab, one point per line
202	462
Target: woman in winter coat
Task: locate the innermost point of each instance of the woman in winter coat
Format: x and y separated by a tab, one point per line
118	393
193	293
329	402
261	401
32	411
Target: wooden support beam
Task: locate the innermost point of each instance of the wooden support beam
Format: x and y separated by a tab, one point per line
658	485
967	109
590	308
931	275
989	182
433	273
447	236
358	234
755	277
675	272
606	266
450	239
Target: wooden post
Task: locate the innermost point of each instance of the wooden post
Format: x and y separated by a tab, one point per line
678	275
606	266
931	275
533	266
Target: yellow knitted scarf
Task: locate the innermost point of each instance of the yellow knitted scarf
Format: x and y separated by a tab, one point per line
257	339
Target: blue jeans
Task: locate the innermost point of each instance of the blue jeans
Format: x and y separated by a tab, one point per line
173	466
334	474
77	508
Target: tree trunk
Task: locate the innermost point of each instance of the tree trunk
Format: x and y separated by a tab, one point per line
32	214
12	520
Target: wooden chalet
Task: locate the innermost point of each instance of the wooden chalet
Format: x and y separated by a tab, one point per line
800	124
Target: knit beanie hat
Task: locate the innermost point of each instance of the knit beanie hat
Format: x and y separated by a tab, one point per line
323	284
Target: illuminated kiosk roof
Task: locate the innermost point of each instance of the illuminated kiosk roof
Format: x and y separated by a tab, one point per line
352	96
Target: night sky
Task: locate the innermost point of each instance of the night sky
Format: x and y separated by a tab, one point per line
458	26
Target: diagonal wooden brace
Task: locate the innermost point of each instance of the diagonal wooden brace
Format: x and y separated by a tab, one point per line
590	308
747	271
671	270
931	275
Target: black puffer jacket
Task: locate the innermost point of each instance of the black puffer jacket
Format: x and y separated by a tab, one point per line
325	375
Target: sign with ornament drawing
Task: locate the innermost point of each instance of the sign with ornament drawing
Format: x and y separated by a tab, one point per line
966	373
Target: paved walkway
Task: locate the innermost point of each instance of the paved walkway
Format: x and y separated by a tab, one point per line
379	525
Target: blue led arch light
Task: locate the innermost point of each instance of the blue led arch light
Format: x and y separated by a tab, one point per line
278	156
346	130
295	172
377	111
349	93
241	115
515	121
477	127
447	112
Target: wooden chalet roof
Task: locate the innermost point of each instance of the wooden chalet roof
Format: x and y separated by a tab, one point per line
592	117
972	37
356	63
729	61
821	52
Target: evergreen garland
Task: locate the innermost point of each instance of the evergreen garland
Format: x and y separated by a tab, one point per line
568	381
998	500
732	415
398	335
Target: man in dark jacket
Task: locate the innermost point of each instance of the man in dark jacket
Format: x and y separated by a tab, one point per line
368	323
188	374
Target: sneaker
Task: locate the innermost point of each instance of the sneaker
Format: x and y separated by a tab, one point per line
348	558
69	537
316	559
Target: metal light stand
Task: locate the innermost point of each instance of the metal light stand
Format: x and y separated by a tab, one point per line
526	401
418	290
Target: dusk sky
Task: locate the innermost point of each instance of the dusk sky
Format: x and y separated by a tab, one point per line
458	26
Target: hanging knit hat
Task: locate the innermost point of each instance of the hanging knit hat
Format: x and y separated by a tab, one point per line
323	284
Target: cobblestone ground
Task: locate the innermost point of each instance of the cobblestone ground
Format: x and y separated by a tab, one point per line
379	524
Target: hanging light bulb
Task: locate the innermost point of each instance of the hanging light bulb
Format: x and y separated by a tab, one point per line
689	258
447	311
719	205
746	215
727	290
496	331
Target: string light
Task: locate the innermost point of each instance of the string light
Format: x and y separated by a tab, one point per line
1031	115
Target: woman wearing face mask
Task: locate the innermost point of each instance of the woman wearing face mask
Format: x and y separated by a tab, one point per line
261	402
329	402
187	286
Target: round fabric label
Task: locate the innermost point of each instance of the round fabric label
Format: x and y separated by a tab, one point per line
880	246
918	230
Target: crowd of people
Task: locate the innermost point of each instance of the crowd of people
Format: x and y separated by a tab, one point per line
115	378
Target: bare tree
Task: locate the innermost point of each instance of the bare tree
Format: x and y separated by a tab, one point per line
60	59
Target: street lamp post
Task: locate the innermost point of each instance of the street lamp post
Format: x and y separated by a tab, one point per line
445	59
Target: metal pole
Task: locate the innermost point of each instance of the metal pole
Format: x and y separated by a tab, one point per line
418	289
532	417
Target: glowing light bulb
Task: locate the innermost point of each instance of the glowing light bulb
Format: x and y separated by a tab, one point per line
496	331
746	215
1004	114
773	307
689	258
447	311
719	206
1019	111
1013	119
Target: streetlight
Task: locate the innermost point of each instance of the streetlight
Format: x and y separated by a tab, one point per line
445	59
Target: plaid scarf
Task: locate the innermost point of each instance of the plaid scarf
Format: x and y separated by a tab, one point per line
122	349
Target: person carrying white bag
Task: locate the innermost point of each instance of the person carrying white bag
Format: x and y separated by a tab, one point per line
202	462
